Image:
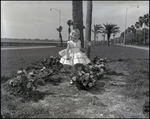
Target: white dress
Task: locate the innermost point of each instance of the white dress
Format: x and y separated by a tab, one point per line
75	55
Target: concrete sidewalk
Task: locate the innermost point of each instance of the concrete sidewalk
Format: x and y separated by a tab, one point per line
138	47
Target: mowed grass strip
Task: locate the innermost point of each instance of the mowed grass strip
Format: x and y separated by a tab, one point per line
138	80
12	60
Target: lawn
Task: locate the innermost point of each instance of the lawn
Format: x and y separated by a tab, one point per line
12	60
121	93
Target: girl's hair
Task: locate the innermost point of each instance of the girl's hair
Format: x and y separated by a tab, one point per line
75	33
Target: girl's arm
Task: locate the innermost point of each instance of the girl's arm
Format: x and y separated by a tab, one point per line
82	49
88	45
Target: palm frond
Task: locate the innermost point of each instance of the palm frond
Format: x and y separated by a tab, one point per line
59	29
93	31
70	22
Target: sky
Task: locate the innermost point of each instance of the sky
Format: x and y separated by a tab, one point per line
33	19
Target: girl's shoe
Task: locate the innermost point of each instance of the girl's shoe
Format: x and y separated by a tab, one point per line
71	82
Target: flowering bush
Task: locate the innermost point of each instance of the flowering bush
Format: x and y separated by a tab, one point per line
23	82
26	81
89	74
48	69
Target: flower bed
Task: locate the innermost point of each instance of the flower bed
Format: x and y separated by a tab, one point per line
26	80
89	74
48	70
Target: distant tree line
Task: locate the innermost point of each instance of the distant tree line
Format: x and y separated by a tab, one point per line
137	34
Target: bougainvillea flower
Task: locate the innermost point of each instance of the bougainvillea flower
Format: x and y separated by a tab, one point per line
101	70
90	66
31	80
24	71
10	82
87	74
51	57
80	74
91	72
90	85
28	76
91	76
45	59
85	83
28	85
101	59
19	72
43	68
31	73
74	78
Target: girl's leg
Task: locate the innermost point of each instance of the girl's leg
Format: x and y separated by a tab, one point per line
72	70
78	67
72	73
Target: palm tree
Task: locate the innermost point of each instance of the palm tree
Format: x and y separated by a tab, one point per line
88	27
137	26
60	36
96	30
97	39
146	17
121	37
143	20
69	22
128	30
133	30
77	15
109	29
114	37
103	35
128	35
146	24
145	33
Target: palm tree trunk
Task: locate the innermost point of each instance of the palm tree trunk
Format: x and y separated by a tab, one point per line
97	39
77	14
61	41
94	37
136	37
131	39
88	27
69	30
144	35
108	37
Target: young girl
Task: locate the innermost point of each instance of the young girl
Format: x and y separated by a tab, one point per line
72	55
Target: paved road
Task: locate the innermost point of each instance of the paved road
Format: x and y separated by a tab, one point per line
138	47
30	47
143	48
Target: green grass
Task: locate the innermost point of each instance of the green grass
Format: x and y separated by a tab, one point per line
134	61
12	60
138	81
55	105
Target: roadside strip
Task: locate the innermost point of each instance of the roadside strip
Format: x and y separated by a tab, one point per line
138	47
18	48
